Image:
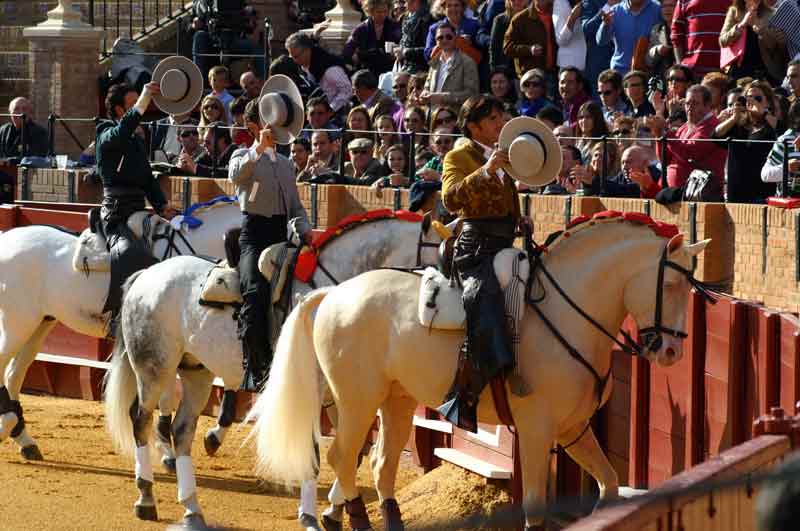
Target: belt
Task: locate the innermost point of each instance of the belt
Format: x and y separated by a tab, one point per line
501	227
122	191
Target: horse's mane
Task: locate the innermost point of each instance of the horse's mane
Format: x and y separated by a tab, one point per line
584	223
358	220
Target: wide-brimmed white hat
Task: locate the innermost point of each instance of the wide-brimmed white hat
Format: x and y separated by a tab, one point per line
533	151
281	106
181	85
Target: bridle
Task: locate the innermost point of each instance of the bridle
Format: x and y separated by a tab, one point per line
169	235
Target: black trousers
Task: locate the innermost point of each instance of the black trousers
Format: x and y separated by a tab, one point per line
258	233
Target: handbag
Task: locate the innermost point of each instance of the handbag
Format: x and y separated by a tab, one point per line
728	55
699	186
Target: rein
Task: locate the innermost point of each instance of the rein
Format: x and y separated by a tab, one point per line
172	248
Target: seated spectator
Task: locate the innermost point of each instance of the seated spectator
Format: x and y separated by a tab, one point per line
679	78
765	45
718	84
362	168
464	27
387	137
400	86
286	66
414	122
422	157
219	79
588	179
241	137
13	144
251	85
566	183
319	115
423	196
793	78
660	54
443	116
565	135
218	145
635	83
366	46
609	87
441	144
625	131
497	58
696	26
324	69
638	176
323	160
189	139
411	52
211	110
530	40
395	168
686	153
590	128
365	89
569	34
625	25
534	90
772	172
745	159
453	75
300	151
166	140
501	86
358	120
416	86
571	89
551	116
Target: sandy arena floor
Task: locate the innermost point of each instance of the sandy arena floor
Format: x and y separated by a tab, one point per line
84	485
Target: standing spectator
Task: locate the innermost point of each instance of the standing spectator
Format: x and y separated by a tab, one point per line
745	159
635	88
772	172
624	25
598	57
487	13
660	55
534	89
453	75
696	25
465	28
13	143
569	34
500	25
570	88
325	69
590	128
219	78
609	87
319	115
501	86
686	153
366	47
793	77
288	67
411	52
530	40
787	19
765	45
300	151
679	78
365	89
251	85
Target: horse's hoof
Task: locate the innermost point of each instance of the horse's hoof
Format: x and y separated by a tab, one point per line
211	443
194	521
169	464
308	522
146	512
31	453
330	524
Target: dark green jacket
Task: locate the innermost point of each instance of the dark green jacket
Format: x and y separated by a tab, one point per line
118	141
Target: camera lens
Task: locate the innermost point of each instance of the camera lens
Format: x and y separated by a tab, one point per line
741	100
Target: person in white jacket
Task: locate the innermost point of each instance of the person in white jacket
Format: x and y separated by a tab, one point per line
569	34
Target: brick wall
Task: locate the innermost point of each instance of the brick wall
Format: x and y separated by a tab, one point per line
46	185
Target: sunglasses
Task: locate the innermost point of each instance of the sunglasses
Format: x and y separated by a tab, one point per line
211	108
673	79
607	92
757	98
445	37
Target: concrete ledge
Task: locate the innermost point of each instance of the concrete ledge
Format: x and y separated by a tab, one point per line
482	468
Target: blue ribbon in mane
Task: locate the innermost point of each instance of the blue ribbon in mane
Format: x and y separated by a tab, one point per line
194	222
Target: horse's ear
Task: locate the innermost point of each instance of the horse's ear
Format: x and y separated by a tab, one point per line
675	243
426	222
697	248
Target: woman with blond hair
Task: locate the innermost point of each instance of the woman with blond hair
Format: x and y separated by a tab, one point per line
211	110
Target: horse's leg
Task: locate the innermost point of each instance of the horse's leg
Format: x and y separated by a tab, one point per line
166	406
196	390
588	454
534	445
142	419
332	516
14	376
354	422
227	412
396	422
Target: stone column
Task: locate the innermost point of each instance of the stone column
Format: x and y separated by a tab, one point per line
343	19
64	67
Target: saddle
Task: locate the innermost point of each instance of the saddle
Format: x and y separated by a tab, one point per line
221	287
91	253
277	263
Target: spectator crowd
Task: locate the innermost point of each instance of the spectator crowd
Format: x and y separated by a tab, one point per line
641	94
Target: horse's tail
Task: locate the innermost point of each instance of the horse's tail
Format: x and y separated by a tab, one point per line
119	389
288	409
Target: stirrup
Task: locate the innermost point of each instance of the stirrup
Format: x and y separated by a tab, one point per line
459	414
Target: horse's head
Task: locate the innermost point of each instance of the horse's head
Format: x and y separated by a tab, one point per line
432	233
149	227
657	297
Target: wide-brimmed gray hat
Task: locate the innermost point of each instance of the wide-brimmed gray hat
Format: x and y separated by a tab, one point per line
281	106
533	151
181	85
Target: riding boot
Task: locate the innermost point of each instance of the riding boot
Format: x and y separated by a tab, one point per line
461	403
256	344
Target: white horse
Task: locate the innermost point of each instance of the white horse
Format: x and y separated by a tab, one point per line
163	331
39	288
375	355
